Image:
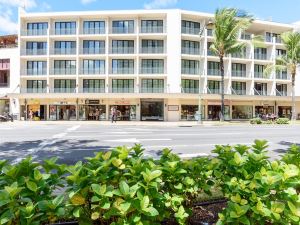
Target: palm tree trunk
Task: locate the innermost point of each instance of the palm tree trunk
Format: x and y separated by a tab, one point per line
293	97
222	89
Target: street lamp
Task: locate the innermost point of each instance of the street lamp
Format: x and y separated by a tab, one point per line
205	26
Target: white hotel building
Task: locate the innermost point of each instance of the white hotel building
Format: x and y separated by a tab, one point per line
150	64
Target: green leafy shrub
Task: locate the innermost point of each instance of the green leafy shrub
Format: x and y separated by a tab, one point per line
282	121
268	122
256	121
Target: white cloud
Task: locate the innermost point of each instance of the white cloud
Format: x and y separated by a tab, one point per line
85	2
29	4
156	4
7	25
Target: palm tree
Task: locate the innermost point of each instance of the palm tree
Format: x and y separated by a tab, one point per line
289	62
228	23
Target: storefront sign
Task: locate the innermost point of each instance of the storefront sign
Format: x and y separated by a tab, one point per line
173	107
92	102
226	102
122	103
61	103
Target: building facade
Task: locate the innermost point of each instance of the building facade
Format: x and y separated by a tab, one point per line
149	64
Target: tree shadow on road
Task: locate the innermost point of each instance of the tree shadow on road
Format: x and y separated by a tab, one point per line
286	144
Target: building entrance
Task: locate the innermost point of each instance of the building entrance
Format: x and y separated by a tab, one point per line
152	110
62	112
124	112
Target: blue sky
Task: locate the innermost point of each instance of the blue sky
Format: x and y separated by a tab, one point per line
286	11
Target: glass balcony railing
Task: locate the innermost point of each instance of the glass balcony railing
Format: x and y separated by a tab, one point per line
213	91
92	90
152	90
123	71
63	71
152	29
210	32
238	73
122	30
152	70
281	75
193	71
64	90
100	30
152	50
242	55
64	51
260	92
36	72
238	91
122	50
33	90
260	56
281	93
70	31
34	32
93	51
122	90
190	90
190	51
278	40
34	51
92	71
189	30
245	36
260	75
214	72
268	38
211	53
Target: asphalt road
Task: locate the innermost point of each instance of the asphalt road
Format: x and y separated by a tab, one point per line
71	142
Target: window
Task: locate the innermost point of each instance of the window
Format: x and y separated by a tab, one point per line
260	53
4	78
36	86
123	27
241	54
152	86
64	86
122	85
91	66
238	88
260	88
65	28
4	64
93	85
259	71
65	47
213	68
94	27
93	47
190	27
122	66
238	70
36	29
152	26
152	46
213	87
190	47
189	66
36	48
190	86
123	46
280	52
64	67
36	68
281	89
152	66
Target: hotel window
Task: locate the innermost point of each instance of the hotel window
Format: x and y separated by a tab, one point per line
152	86
122	85
122	46
259	71
65	67
65	28
152	66
64	86
37	29
91	66
93	85
190	27
238	88
122	66
94	27
190	47
260	53
152	26
190	86
123	27
213	68
65	47
260	88
36	68
281	89
36	86
189	66
36	48
213	87
238	70
280	52
152	46
93	47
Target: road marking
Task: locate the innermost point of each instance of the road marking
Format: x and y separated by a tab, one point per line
59	135
192	155
135	140
73	128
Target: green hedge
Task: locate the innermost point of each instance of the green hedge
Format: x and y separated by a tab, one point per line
124	187
277	121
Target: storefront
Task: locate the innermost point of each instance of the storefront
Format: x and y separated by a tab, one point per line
262	111
190	112
4	106
242	112
285	112
124	112
152	109
36	112
92	110
62	112
214	112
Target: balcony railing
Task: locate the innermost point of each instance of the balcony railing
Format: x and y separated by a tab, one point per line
238	73
152	70
63	71
268	38
92	71
241	55
245	36
260	56
210	32
281	93
122	50
63	90
260	92
188	30
152	50
214	72
70	31
34	32
100	30
190	51
238	92
123	71
33	90
122	90
211	53
152	29
190	90
192	71
213	91
281	75
92	90
260	75
36	72
4	85
93	51
34	51
64	51
122	30
152	90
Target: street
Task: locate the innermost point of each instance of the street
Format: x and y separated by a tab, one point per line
74	141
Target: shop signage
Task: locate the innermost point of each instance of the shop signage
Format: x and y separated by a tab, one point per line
61	103
173	107
92	102
122	103
226	102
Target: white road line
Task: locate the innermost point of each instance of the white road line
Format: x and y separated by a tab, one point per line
194	145
59	135
73	128
192	155
135	140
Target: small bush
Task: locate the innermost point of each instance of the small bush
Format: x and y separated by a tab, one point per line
256	121
282	121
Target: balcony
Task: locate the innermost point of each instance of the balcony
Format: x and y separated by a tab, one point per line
245	36
190	90
4	85
260	92
260	75
152	50
281	93
281	75
122	30
152	29
210	32
268	38
63	90
36	72
63	71
241	55
92	90
123	71
260	56
122	90
213	90
65	31
34	32
188	30
238	73
122	50
190	51
92	71
100	30
211	53
238	91
33	90
214	72
64	51
152	90
152	70
193	71
34	51
93	51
